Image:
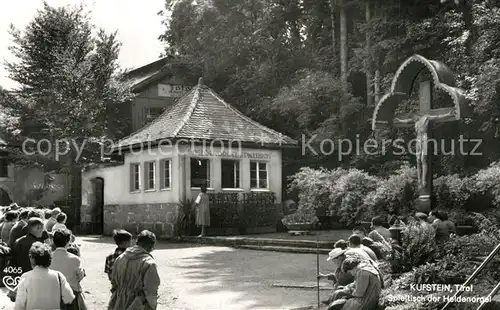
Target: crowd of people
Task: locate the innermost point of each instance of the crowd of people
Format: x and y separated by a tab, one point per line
357	279
44	255
42	252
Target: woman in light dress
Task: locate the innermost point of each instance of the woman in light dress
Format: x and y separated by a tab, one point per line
42	287
202	210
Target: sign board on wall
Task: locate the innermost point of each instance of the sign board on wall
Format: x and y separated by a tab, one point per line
231	154
174	91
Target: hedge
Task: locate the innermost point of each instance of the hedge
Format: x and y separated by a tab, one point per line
231	210
353	195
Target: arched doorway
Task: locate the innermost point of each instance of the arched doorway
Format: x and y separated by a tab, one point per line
4	198
97	206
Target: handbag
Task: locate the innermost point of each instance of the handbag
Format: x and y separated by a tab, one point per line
81	301
63	305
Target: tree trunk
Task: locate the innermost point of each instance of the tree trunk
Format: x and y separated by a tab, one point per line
376	84
334	41
368	60
343	45
75	190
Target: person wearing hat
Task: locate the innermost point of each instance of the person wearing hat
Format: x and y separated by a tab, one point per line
53	219
339	278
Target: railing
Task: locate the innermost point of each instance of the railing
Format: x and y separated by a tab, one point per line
490	296
473	276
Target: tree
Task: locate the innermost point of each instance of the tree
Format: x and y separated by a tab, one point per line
67	80
253	56
368	64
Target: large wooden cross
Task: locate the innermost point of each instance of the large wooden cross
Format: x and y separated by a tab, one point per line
441	77
422	121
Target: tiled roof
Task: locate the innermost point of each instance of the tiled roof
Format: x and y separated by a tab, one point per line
202	114
138	77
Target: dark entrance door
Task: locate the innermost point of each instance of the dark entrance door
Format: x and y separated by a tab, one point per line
98	206
4	198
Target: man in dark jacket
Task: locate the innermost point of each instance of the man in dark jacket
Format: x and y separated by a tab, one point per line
134	277
39	214
21	257
18	230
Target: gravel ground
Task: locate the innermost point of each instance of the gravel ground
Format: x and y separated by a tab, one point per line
202	277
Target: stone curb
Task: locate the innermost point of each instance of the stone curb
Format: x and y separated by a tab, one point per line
285	249
239	241
263	244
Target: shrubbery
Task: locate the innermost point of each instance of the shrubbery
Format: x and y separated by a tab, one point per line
348	192
339	191
353	195
394	195
452	263
314	187
251	210
419	247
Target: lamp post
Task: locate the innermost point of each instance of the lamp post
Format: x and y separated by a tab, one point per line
395	230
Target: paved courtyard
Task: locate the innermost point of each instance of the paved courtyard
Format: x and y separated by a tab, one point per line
202	277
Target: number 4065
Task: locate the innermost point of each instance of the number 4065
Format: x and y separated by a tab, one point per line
11	269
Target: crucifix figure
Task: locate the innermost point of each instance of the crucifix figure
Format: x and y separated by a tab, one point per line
421	123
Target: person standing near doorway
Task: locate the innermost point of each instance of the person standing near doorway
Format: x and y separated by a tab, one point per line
203	210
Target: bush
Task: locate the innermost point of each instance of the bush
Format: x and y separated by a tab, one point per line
314	187
259	209
353	195
254	210
340	191
299	217
223	209
447	270
395	195
419	247
470	247
347	194
452	192
485	184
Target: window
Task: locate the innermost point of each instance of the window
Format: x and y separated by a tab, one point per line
150	170
135	177
165	178
258	175
4	167
200	172
152	113
230	173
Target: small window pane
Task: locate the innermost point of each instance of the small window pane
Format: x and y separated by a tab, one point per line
230	173
150	175
166	173
135	177
200	172
258	175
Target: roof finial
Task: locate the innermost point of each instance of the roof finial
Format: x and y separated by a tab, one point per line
200	81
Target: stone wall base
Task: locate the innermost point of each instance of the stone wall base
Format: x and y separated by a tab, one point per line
158	218
90	221
211	231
